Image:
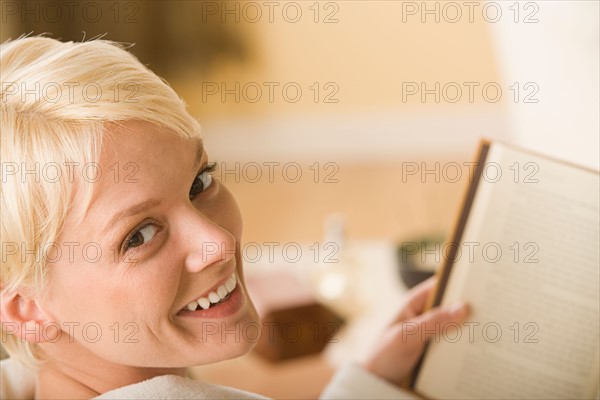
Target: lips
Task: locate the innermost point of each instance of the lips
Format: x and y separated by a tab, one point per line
216	296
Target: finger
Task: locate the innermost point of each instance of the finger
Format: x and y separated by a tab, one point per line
416	298
431	324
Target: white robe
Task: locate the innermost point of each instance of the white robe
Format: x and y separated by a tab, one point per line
350	382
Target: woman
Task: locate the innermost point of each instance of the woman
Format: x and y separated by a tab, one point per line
108	209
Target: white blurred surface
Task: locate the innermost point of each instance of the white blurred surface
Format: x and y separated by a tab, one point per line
388	135
560	54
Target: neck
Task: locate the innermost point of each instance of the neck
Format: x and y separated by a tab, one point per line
88	375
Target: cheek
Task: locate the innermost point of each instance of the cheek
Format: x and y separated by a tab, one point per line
82	292
129	299
235	222
72	289
225	211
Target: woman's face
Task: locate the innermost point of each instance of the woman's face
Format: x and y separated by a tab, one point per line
157	236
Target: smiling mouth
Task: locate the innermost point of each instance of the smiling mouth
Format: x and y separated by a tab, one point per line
215	297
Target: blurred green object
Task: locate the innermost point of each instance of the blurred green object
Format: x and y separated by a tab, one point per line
419	259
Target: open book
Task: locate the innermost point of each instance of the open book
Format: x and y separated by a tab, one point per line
525	257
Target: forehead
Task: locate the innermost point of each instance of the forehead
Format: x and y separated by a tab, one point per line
139	161
144	143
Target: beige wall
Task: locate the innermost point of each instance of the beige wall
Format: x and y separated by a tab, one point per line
368	54
373	198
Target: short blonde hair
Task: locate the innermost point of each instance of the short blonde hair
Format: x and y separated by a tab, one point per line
57	101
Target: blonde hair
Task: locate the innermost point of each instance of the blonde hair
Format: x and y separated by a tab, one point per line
57	100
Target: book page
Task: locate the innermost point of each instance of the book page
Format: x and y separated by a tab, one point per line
528	266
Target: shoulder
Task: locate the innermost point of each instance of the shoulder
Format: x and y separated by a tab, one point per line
176	387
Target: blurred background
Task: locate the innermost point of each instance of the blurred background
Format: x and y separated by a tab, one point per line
350	124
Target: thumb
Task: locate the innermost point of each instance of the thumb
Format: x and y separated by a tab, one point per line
431	324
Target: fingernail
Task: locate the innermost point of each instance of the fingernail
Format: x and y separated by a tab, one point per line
457	308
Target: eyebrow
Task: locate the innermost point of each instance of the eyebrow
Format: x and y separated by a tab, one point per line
148	204
131	211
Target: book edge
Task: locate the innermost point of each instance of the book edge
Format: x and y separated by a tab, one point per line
443	273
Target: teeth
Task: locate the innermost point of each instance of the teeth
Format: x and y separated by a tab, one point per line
230	284
222	292
204	302
215	297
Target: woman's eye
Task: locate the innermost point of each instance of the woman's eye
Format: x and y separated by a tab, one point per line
202	181
142	236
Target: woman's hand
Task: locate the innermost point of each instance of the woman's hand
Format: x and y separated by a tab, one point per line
403	342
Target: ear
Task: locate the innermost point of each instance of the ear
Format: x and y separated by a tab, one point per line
21	316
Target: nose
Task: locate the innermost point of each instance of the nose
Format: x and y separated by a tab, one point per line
207	242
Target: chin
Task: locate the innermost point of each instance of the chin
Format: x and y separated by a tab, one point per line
235	338
249	329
